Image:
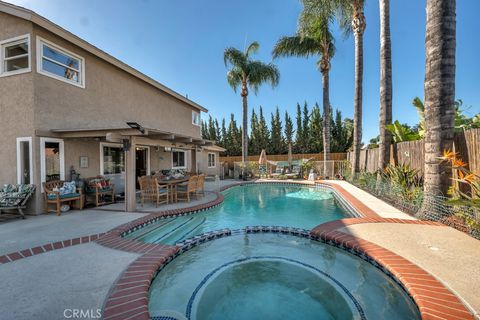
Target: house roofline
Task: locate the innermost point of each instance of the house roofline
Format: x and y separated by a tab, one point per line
35	18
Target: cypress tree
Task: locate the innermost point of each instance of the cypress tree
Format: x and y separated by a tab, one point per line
263	132
299	132
276	139
305	129
315	131
288	129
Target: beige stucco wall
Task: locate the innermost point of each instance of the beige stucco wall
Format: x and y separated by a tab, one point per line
74	149
110	98
162	160
202	160
16	104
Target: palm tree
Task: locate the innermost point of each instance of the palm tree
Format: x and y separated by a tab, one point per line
440	45
385	84
351	19
313	38
248	74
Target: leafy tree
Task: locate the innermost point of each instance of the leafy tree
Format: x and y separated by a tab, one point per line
248	74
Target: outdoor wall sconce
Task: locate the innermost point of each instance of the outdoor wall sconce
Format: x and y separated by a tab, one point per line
125	144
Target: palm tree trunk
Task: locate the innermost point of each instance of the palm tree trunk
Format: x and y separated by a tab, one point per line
326	120
440	45
385	84
244	132
358	26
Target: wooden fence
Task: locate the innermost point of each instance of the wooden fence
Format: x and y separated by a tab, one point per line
467	144
228	161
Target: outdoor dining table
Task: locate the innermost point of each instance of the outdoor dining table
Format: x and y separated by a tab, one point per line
172	184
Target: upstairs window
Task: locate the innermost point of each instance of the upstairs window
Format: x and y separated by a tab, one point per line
15	55
196	118
60	64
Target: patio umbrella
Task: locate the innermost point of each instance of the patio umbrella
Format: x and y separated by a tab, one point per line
262	161
263	157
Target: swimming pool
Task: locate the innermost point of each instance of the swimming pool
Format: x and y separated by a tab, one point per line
275	276
250	205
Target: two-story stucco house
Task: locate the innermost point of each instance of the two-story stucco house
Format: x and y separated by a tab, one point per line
65	104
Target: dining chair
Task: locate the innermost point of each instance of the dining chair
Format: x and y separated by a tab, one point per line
184	190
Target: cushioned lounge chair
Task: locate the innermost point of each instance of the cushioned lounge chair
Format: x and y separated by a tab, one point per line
15	197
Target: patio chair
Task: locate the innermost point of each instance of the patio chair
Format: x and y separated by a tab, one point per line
99	188
279	170
15	197
58	191
295	172
151	190
201	184
185	189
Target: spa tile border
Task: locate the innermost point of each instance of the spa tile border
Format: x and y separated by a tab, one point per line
21	254
432	298
129	297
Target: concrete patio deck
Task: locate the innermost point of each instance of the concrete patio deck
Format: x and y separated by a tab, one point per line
448	254
44	286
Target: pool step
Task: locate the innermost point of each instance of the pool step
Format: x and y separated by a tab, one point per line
158	233
185	232
140	234
180	230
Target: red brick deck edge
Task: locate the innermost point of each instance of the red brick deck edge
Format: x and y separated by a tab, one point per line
433	299
17	255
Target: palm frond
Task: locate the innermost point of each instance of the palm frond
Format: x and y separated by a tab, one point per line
252	48
259	72
235	57
296	46
234	78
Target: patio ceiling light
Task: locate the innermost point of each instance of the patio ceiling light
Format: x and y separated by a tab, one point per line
135	125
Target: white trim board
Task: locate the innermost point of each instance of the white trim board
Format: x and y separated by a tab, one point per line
61	152
30	150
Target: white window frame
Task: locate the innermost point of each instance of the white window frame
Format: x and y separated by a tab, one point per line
61	151
196	114
40	43
185	157
30	155
107	144
13	41
214	160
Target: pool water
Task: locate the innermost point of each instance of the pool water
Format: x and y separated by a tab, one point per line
250	205
275	276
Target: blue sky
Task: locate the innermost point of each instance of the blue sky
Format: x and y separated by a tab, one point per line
180	43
